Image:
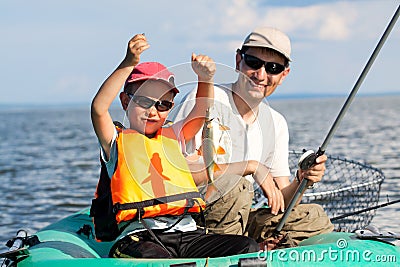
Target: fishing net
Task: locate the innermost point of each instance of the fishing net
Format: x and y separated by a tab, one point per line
347	187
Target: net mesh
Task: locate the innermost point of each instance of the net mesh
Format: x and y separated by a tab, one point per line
347	186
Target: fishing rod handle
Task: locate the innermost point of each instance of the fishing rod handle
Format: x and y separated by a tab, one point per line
306	161
300	189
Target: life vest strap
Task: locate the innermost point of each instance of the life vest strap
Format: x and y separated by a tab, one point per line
155	201
191	203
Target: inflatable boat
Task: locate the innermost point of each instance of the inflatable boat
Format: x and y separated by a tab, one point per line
71	242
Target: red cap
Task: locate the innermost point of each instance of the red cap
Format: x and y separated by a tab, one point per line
152	71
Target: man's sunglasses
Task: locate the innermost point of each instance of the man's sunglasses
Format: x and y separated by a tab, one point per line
146	103
256	63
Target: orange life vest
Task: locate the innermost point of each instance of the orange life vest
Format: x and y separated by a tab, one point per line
152	177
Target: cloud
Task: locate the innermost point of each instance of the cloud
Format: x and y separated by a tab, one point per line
70	47
318	22
322	21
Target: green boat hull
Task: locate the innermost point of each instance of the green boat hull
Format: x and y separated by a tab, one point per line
61	245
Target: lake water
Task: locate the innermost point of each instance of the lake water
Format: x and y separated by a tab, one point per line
49	157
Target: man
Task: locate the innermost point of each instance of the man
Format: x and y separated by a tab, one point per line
254	131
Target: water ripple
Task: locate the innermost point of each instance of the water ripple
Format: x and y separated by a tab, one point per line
49	161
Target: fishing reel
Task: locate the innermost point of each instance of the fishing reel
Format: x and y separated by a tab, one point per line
306	161
308	158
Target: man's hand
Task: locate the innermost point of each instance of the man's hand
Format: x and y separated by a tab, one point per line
271	191
315	173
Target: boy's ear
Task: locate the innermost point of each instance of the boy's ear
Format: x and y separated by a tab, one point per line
124	98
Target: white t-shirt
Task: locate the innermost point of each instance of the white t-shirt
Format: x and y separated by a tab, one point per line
265	140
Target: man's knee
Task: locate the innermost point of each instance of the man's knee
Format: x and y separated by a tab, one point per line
304	221
229	214
315	216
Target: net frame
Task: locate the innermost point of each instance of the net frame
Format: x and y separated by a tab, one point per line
348	186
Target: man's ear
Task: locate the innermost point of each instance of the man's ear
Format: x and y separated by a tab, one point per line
124	98
284	75
238	59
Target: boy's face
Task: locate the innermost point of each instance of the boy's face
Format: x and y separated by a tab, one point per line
136	101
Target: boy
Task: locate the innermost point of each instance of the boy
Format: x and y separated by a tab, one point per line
146	166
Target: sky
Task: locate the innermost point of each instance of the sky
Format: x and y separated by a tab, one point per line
58	52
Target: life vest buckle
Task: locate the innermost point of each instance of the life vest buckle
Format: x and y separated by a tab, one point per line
116	207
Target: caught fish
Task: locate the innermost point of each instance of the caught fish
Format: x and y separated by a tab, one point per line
208	147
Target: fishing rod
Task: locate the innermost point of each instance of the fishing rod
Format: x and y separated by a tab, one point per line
309	158
365	210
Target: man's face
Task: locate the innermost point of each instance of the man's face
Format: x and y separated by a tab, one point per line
259	83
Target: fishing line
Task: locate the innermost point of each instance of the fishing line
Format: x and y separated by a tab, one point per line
308	159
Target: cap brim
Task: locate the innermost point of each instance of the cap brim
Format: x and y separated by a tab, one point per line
270	47
173	87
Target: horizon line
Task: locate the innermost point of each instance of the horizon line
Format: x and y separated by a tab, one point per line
272	97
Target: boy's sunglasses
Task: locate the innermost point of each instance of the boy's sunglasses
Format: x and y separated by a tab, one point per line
146	102
256	63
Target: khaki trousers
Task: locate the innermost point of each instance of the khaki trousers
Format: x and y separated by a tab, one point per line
230	213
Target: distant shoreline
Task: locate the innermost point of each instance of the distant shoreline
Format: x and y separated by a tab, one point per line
81	105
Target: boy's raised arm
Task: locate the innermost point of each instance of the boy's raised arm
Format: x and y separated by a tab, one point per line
205	68
101	118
